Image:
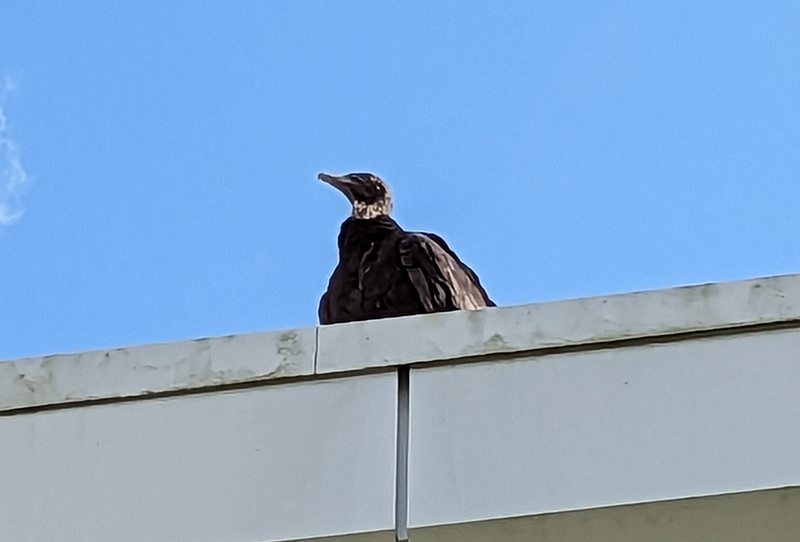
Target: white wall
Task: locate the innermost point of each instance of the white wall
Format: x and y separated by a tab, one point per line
608	427
271	463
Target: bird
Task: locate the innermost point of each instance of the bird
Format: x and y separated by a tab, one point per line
385	271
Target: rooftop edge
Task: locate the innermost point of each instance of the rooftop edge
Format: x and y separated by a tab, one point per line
142	371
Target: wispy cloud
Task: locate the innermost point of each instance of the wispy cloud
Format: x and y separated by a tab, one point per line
13	177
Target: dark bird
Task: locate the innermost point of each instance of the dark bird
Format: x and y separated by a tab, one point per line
385	271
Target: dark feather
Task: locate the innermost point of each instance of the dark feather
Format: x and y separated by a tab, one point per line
384	272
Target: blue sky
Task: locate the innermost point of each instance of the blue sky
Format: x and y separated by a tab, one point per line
159	159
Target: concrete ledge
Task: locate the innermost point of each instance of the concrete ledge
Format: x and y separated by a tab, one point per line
192	365
660	313
156	368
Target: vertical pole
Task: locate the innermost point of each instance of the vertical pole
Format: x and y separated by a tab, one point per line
401	479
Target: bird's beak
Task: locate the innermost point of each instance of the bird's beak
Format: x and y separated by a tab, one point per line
340	183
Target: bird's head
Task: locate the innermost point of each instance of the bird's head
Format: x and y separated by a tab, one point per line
367	193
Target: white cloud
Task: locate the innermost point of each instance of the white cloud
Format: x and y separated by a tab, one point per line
13	177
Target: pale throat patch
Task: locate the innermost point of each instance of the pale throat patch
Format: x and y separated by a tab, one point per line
372	210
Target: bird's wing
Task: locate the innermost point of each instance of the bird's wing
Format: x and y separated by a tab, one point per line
441	280
476	282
